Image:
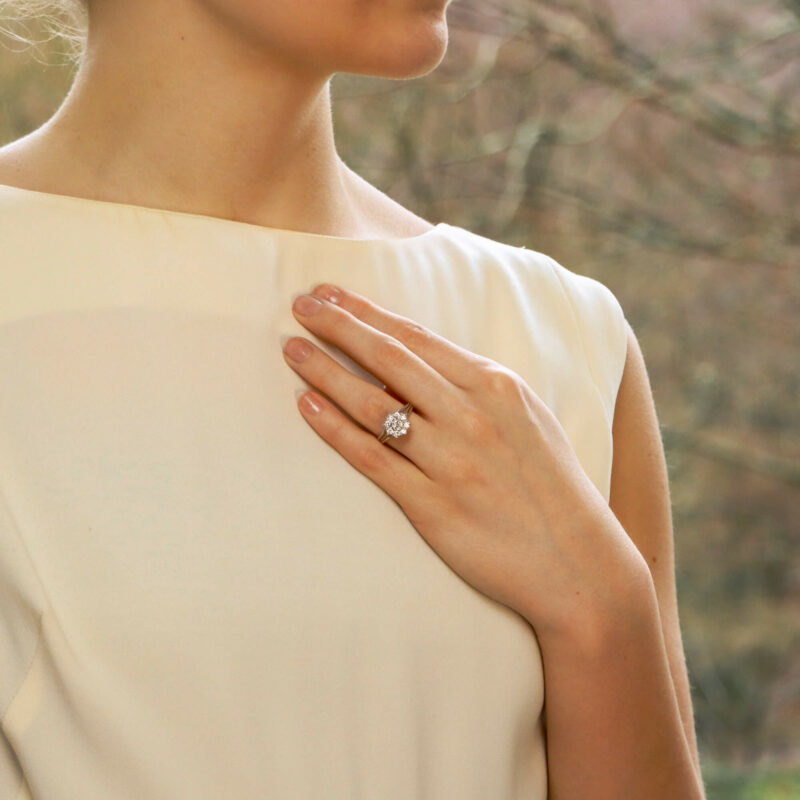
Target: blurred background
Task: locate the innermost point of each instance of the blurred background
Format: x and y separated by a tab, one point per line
655	147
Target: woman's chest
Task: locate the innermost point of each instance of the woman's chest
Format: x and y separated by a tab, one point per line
180	511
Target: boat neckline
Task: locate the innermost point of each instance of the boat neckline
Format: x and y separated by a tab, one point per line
285	232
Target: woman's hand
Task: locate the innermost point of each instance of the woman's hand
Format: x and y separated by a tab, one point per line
485	474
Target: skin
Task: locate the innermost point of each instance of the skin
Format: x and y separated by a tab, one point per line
640	500
222	108
486	474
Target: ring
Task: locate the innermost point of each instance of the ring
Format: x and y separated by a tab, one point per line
396	424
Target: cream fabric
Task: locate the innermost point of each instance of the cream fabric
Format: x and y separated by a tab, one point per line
199	597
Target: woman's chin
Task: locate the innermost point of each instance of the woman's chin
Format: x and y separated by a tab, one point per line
404	57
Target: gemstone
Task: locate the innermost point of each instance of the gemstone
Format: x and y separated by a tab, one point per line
396	424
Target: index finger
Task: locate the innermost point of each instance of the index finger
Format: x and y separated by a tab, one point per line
450	360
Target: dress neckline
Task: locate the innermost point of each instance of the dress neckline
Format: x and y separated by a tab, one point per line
222	221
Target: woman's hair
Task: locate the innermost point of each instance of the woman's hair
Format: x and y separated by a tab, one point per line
64	19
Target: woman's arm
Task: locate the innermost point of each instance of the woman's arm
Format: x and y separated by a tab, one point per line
489	478
617	705
641	502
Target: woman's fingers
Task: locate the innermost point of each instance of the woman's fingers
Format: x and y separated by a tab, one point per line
454	363
364	402
377	352
400	478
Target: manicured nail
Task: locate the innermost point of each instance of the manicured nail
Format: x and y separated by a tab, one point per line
310	405
333	294
298	349
307	304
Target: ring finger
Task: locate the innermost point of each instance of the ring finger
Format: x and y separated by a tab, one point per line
364	402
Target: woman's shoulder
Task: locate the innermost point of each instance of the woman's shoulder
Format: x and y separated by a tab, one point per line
536	271
25	164
573	303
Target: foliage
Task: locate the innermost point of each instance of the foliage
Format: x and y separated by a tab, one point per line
724	783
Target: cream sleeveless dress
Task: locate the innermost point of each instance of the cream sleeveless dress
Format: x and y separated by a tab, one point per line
199	597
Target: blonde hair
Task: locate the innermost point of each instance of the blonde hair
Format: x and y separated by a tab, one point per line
67	20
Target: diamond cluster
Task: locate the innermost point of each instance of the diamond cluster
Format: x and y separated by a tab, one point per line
396	424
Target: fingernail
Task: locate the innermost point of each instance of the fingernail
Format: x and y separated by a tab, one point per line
306	304
310	405
333	294
298	349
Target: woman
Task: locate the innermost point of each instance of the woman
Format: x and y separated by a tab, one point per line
211	590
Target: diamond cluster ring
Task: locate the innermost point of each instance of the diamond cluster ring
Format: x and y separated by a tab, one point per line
396	424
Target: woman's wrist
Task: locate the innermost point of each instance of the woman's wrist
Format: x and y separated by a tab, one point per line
617	603
608	672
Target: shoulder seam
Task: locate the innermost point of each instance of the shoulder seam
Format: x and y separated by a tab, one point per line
581	336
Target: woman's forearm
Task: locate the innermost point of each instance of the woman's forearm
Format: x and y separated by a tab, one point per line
614	729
